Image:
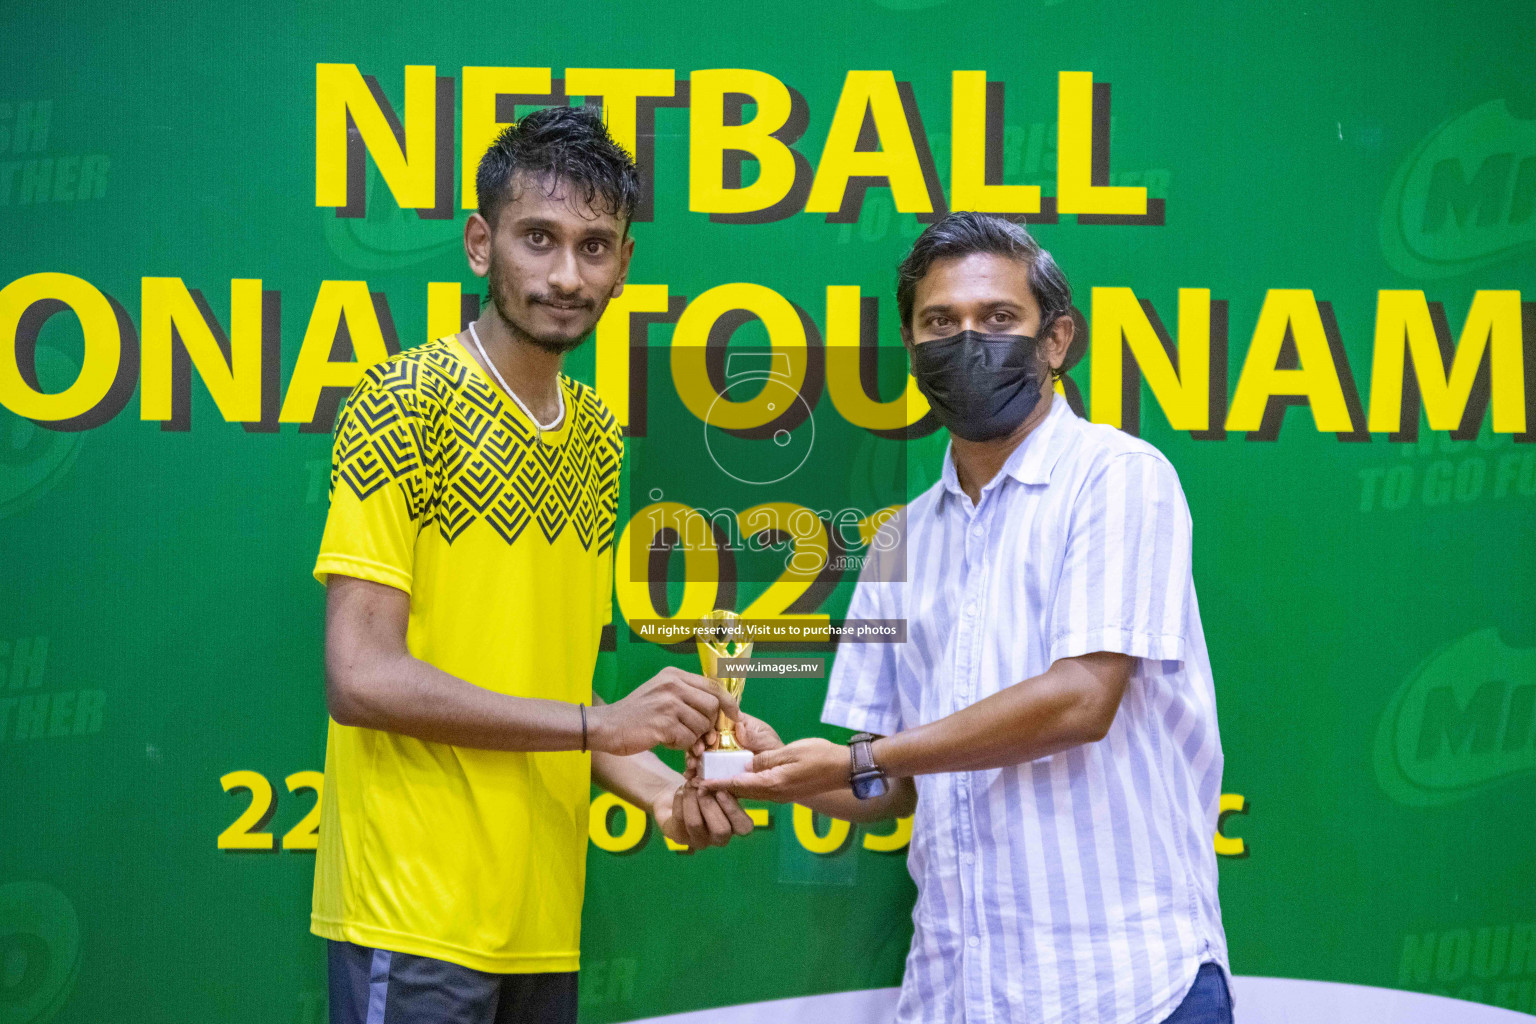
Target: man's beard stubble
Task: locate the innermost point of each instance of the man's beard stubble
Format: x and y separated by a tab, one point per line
555	345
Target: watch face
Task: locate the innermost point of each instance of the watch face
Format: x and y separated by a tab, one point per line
867	787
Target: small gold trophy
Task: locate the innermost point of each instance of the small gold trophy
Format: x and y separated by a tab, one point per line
727	757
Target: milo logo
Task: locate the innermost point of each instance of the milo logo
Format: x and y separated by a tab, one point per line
32	458
1465	198
39	952
1461	723
387	237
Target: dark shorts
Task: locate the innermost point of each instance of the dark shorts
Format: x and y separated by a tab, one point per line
377	986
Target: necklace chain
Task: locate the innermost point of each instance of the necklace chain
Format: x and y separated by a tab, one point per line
538	427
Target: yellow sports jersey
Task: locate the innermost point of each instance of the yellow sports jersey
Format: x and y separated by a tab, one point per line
441	488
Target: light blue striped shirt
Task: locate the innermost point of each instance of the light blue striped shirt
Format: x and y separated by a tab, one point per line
1078	888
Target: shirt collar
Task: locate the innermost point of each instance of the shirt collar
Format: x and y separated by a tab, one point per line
1031	462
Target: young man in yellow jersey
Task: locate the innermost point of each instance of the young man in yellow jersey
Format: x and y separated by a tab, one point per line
468	559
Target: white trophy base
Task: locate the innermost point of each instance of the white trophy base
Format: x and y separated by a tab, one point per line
722	764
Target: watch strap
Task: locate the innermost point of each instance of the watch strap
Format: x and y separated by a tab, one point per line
861	754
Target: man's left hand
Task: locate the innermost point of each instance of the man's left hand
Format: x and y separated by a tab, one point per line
800	769
698	818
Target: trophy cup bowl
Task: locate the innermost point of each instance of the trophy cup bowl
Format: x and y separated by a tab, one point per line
715	636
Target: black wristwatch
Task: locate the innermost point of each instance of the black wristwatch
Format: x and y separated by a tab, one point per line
866	777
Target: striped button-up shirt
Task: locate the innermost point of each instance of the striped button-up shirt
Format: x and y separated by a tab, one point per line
1078	888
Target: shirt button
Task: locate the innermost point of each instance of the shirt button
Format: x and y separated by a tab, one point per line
970	608
973	941
968	857
977	530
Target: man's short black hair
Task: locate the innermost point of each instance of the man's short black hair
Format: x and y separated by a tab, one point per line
559	146
961	234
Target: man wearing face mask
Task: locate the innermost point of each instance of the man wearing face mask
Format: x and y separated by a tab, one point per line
1051	717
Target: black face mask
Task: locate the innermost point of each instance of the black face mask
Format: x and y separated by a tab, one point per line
981	386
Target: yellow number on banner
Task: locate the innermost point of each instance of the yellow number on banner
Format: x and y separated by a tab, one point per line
804	564
824	845
635	824
245	833
306	834
891	841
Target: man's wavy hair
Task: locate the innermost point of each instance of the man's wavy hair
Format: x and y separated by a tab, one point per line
555	148
961	234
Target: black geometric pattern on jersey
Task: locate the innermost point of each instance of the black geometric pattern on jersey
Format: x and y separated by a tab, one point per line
447	438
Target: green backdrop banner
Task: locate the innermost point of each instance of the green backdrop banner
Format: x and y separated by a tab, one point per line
1302	247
